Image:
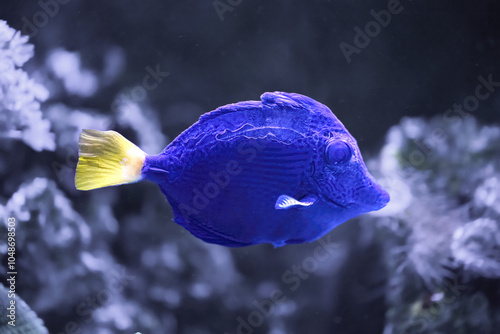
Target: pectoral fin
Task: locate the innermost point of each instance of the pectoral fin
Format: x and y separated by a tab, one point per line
287	202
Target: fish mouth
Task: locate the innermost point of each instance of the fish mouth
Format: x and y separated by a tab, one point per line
385	198
376	198
377	201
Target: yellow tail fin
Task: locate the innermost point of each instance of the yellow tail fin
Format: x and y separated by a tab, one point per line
106	158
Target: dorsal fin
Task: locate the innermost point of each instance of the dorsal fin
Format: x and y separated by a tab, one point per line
289	100
284	100
230	108
278	113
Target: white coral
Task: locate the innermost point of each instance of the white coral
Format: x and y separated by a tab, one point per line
144	121
475	246
20	97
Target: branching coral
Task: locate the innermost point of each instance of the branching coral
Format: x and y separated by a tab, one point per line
20	97
442	229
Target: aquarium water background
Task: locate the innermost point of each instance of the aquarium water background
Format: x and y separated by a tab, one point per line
417	83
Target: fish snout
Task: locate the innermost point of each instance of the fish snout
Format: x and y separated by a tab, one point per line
373	197
383	199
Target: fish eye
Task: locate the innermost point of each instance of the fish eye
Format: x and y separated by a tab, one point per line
338	152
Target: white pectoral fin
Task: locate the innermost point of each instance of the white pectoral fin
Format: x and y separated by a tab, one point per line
288	202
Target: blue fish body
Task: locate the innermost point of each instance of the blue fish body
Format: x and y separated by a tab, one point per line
282	170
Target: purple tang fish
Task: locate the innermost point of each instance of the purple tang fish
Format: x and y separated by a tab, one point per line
282	170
